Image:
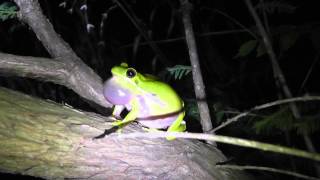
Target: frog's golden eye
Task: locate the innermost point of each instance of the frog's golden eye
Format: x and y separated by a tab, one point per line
131	73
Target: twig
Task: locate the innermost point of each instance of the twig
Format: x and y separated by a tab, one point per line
226	140
236	22
279	76
183	38
143	32
316	59
263	106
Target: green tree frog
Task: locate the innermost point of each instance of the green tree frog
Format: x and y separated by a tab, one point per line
149	101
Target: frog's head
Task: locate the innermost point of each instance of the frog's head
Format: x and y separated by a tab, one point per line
123	85
128	77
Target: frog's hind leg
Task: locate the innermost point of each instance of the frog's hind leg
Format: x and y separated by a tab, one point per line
179	125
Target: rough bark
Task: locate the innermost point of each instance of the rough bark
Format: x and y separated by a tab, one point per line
80	77
53	70
53	141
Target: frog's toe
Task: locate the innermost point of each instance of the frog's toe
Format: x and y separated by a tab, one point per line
117	123
170	138
151	129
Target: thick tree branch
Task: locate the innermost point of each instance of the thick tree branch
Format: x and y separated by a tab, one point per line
81	78
51	141
30	12
57	71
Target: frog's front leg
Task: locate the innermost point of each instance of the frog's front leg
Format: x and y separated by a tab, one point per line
117	111
179	125
131	116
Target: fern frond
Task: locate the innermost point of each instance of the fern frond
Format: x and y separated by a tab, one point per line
275	6
281	120
178	71
7	11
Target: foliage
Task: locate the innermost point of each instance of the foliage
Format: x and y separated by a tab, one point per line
179	71
285	40
283	120
192	110
7	11
246	48
307	125
275	6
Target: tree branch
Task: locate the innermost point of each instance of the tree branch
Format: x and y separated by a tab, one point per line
263	106
52	141
57	71
199	87
81	78
228	140
279	76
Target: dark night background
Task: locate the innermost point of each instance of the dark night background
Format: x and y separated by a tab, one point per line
233	83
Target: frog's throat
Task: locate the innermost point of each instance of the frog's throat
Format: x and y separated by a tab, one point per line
161	116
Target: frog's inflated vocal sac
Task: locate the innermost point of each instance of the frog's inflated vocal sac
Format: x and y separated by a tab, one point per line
151	102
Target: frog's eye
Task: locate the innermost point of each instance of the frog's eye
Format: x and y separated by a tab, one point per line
131	73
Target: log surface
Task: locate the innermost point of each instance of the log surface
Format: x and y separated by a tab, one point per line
53	141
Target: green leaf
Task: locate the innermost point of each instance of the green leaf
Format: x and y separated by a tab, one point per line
287	40
246	48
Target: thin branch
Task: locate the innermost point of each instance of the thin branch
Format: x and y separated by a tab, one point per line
226	140
306	78
269	169
184	38
196	70
143	32
236	22
278	74
264	106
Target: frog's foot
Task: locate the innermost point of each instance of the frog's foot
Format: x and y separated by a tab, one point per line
107	132
151	129
117	123
169	138
181	128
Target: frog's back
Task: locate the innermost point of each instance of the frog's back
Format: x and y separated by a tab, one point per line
163	95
